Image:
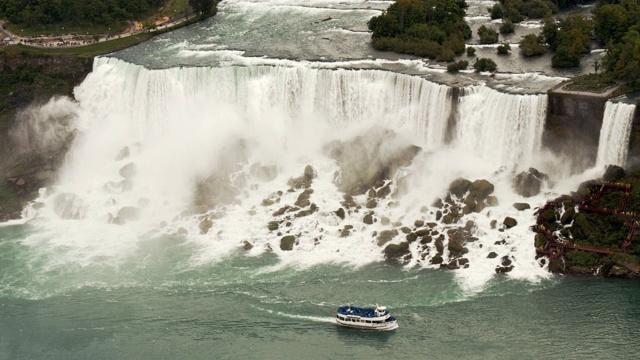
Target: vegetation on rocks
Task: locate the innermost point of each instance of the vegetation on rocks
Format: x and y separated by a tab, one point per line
599	223
429	28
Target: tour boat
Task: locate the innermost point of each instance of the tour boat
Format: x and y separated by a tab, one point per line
377	318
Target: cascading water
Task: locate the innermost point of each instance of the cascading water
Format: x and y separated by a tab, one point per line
502	128
206	154
614	135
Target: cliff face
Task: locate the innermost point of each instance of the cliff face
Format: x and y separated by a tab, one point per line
572	129
27	79
633	158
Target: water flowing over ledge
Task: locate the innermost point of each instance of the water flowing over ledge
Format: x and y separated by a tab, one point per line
205	156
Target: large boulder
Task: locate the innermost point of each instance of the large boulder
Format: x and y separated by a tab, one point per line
459	187
369	159
286	243
481	189
509	222
528	183
521	206
396	251
613	173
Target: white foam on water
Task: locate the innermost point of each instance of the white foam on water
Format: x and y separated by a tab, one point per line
146	139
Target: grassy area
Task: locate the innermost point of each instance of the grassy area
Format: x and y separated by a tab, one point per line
89	50
67	28
591	82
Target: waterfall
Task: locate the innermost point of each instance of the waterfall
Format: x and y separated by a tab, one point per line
206	155
614	134
501	128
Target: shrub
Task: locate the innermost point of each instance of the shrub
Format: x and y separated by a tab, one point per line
455	67
497	11
471	51
485	64
487	35
507	27
503	49
446	55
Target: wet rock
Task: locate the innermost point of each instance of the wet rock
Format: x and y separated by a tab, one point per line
411	237
369	159
386	236
267	202
528	183
492	255
492	201
438	215
128	171
385	221
312	208
273	225
436	259
426	239
371	204
503	269
469	225
418	223
506	261
368	219
459	187
481	189
395	251
247	245
440	245
405	229
521	206
340	213
613	173
286	243
567	216
509	222
205	225
384	191
423	232
309	173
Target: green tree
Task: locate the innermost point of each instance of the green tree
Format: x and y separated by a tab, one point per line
532	45
550	31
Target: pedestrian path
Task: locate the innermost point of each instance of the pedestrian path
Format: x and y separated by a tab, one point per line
75	40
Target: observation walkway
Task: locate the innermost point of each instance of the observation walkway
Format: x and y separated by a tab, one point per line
555	247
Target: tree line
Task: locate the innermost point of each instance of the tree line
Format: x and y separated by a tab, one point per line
103	12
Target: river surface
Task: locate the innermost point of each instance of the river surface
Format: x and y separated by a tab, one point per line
155	242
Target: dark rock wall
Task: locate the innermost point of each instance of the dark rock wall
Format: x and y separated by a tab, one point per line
633	158
572	129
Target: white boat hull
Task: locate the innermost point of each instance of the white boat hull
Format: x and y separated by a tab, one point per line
390	325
